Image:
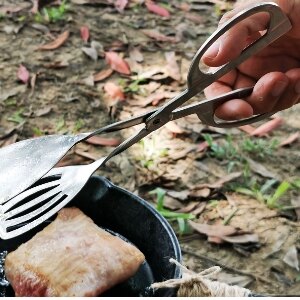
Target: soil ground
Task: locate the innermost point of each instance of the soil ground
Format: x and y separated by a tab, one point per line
209	182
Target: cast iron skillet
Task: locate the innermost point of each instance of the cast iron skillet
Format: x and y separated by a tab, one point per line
129	216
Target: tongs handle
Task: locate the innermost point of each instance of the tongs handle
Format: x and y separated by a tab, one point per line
278	25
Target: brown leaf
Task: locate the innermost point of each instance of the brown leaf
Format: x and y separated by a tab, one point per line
9	140
172	66
215	240
156	35
85	33
188	208
90	52
114	91
5	94
291	139
156	9
296	203
136	55
203	146
291	258
86	154
101	141
267	127
241	239
89	81
102	75
218	230
43	111
117	63
203	192
35	7
176	155
23	74
198	19
199	209
219	183
182	195
56	65
33	82
59	41
174	128
4	10
247	128
258	168
120	5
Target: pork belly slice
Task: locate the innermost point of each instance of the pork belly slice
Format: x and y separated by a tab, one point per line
71	257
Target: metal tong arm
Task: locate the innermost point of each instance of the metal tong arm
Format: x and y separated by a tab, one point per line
278	25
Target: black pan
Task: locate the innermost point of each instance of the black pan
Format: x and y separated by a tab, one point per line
124	214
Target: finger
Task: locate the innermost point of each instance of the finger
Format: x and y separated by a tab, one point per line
267	92
292	94
235	109
216	89
231	43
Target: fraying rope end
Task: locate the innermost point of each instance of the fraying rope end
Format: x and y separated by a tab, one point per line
201	284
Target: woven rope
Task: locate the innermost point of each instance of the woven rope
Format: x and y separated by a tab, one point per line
201	284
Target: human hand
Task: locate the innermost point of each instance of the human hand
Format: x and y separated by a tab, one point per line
274	71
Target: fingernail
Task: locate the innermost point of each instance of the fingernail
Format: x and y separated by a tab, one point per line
297	87
213	50
279	88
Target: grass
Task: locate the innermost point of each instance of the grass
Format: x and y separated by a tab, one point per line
265	194
17	117
235	153
180	218
52	14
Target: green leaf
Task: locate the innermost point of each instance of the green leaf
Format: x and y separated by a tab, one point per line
171	214
280	191
160	196
267	186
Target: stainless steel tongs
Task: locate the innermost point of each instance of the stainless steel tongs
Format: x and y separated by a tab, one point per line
23	163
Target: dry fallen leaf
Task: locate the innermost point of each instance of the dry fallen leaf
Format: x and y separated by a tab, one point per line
267	127
172	66
102	75
291	139
59	41
198	19
5	94
247	128
291	258
117	63
203	146
120	5
114	91
241	239
156	9
90	52
218	230
296	203
136	55
174	128
85	33
156	35
23	74
101	141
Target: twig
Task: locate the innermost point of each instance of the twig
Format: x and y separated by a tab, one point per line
229	217
211	260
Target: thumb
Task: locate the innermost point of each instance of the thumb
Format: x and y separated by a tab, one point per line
232	42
